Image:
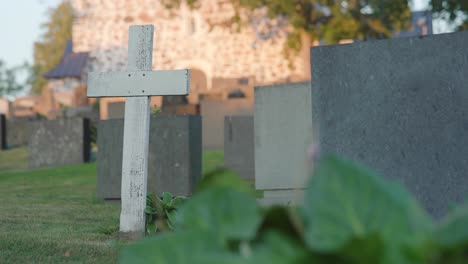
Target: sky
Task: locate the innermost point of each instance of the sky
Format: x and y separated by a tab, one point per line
20	27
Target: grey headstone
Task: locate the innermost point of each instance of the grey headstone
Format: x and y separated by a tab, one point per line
19	132
116	110
59	142
3	131
400	107
283	126
239	145
174	163
213	113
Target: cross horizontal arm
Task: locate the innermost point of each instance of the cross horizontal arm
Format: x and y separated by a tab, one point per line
139	83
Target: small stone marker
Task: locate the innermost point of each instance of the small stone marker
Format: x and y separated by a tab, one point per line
137	85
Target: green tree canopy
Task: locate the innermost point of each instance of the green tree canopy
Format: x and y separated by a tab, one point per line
9	83
327	20
334	20
452	11
49	48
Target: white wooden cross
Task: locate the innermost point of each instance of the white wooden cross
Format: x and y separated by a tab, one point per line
137	84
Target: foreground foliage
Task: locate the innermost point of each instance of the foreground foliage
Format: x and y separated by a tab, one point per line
349	215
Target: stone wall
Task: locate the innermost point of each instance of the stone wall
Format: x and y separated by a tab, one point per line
184	39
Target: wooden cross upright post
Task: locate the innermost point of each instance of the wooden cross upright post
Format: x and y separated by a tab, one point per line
137	84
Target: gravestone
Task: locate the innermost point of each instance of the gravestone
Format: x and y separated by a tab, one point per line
137	84
174	156
282	128
115	110
19	132
59	142
400	107
3	131
239	145
213	113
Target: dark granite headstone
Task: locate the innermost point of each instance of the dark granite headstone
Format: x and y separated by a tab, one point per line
3	131
59	142
174	163
399	106
239	145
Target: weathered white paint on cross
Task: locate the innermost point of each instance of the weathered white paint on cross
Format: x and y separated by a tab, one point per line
137	84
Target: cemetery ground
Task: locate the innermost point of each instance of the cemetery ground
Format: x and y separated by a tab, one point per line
52	215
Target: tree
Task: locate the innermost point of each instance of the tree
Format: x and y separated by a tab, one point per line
49	48
9	83
452	11
326	20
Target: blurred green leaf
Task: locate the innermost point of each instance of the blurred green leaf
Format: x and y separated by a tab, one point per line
222	177
452	237
278	248
227	212
453	231
345	203
282	219
178	248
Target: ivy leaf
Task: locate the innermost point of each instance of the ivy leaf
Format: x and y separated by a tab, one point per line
345	202
228	213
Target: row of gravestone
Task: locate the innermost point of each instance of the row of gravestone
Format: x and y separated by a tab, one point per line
51	142
398	106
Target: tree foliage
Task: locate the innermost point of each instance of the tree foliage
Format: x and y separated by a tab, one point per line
9	83
451	11
326	20
333	20
49	48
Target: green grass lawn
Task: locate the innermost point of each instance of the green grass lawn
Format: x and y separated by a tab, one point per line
14	159
52	215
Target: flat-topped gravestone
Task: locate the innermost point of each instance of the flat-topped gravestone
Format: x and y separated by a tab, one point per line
59	142
174	163
239	145
115	110
137	84
283	126
213	113
3	131
400	107
19	132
